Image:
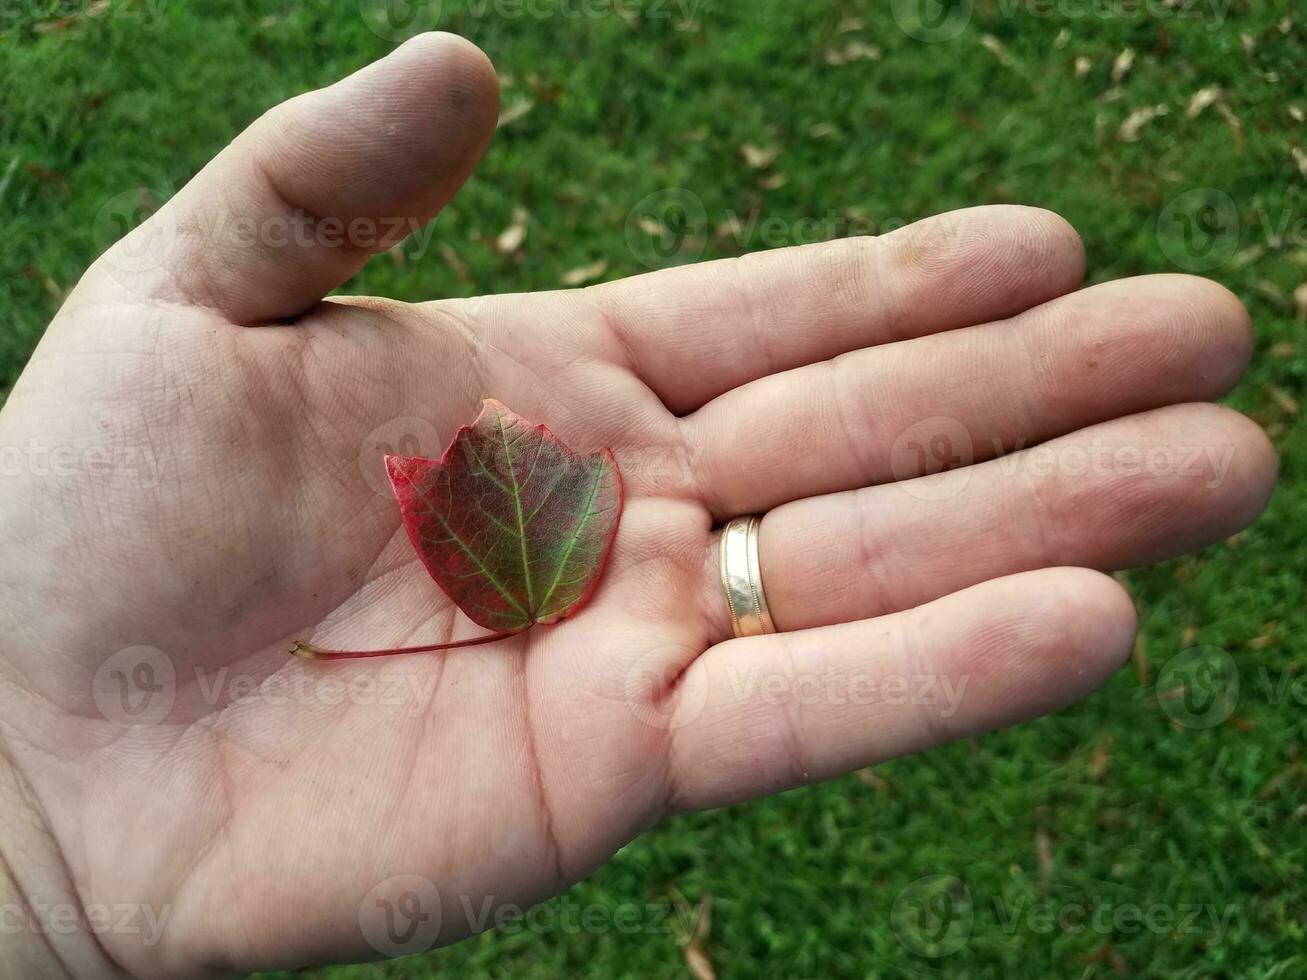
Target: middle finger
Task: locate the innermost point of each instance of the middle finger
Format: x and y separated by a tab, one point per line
898	411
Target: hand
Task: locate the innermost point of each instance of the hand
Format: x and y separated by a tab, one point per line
210	410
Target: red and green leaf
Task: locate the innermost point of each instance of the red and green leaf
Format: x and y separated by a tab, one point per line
512	525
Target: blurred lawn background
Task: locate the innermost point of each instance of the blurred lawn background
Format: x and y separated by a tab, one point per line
1171	134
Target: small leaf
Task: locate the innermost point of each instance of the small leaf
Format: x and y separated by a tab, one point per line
1137	120
997	48
852	51
512	525
511	114
1203	98
757	157
1122	65
586	273
512	237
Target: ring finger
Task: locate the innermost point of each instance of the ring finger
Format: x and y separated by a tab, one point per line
1127	492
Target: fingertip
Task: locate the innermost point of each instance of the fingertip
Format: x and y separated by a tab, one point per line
1039	242
1213	319
1100	620
465	75
297	204
1053	235
1064	631
1255	464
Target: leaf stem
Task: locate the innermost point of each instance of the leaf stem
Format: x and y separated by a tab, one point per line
309	652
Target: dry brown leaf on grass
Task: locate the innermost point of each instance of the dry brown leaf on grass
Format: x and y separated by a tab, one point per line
1283	400
1083	65
1139	656
1269	636
1137	120
56	291
757	157
1272	293
456	263
1234	122
1297	114
700	966
853	51
1300	301
1300	159
92	10
732	229
997	48
1248	256
1100	758
511	238
873	779
512	113
1122	65
1044	855
693	946
1203	98
542	88
586	273
1108	955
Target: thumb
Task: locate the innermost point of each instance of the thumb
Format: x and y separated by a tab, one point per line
298	202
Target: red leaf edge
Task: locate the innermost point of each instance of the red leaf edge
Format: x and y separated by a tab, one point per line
307	651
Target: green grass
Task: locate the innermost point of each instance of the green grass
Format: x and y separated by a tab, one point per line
1108	805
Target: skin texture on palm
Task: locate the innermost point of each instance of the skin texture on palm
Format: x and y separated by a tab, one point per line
783	382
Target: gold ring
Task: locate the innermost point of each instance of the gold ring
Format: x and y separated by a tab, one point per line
742	578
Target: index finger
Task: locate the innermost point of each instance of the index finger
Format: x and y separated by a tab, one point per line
695	332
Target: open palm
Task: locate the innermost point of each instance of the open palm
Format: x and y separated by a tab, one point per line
212	490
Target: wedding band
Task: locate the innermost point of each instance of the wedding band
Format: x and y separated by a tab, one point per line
742	578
